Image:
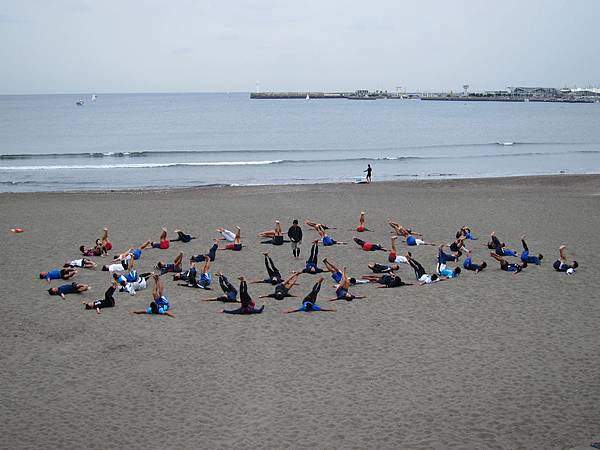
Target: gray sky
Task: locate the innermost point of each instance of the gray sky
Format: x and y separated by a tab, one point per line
69	46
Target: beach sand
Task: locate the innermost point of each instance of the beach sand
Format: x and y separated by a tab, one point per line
492	360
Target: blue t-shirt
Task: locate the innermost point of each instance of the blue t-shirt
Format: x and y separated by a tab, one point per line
308	306
137	253
162	304
328	240
337	276
448	273
66	289
53	275
131	276
410	240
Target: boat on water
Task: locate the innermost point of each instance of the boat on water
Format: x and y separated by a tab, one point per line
307	97
94	97
79	102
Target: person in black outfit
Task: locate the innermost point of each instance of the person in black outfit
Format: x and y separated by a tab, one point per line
107	302
369	170
295	235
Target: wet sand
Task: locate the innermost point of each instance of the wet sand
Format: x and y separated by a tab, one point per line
492	360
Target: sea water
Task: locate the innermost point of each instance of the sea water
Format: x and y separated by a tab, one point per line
128	141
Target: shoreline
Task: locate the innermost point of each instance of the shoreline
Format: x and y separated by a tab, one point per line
400	182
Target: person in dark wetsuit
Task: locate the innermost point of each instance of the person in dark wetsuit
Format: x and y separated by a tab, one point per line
310	301
368	246
386	280
311	262
228	289
383	268
211	255
248	305
295	235
282	290
107	302
562	265
525	257
506	266
183	237
274	276
443	257
368	171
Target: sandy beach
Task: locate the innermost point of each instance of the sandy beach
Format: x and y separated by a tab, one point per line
489	360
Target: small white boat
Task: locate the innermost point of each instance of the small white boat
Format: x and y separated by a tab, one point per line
307	97
93	97
80	102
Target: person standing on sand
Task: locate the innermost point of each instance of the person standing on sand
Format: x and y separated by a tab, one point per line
295	235
369	170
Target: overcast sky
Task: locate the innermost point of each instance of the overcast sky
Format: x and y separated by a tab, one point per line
72	46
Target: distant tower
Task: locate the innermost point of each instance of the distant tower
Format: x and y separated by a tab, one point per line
466	90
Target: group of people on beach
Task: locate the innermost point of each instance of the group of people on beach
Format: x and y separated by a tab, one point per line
124	277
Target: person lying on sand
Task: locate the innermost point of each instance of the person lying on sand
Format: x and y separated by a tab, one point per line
73	288
282	290
368	246
227	235
205	279
170	268
393	255
383	268
311	263
58	274
500	247
273	274
466	232
326	239
183	237
341	291
317	225
210	256
506	266
163	242
107	302
561	265
228	289
388	280
310	301
248	305
275	235
526	258
421	274
160	305
361	228
236	246
469	265
401	231
82	262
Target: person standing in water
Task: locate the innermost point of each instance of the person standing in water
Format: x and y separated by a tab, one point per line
368	171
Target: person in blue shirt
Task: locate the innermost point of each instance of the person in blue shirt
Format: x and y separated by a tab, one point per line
228	289
311	263
326	239
468	264
562	265
161	304
273	274
525	257
500	247
444	271
310	301
205	279
58	274
506	266
73	288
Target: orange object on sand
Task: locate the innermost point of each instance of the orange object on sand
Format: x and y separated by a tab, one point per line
17	230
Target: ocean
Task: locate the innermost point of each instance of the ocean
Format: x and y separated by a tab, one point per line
132	141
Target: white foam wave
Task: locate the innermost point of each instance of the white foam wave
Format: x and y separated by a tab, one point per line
138	166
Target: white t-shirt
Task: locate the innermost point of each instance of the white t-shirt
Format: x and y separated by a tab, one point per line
76	263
